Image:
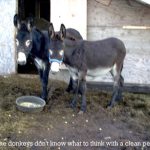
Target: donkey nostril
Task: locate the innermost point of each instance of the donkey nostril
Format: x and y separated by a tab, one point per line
21	62
21	58
55	67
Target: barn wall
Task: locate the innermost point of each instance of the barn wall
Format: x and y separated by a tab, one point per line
7	52
107	21
102	21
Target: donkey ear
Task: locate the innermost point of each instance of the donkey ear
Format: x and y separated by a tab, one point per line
30	23
62	31
17	21
51	31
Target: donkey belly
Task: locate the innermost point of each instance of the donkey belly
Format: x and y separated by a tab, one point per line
97	72
91	73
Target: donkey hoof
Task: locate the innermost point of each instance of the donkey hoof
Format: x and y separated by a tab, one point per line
80	112
43	97
109	106
69	90
119	99
72	105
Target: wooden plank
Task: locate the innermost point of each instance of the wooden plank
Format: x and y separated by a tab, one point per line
133	88
104	2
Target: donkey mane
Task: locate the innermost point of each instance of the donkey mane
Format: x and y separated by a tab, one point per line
23	27
76	58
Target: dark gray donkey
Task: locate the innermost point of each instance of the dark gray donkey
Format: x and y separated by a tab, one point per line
72	35
88	58
32	43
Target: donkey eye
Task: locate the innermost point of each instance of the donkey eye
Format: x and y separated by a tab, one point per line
27	43
61	53
17	42
51	52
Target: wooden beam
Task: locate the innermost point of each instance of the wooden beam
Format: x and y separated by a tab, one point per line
104	2
133	88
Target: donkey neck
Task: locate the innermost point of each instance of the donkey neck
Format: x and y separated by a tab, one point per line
73	53
39	44
70	47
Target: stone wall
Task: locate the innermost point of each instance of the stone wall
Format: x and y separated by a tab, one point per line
107	21
7	51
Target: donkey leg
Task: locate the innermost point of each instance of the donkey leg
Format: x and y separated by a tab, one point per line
40	72
75	87
116	87
70	86
82	91
45	82
114	96
121	82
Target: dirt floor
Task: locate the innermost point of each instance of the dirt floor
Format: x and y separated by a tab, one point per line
125	127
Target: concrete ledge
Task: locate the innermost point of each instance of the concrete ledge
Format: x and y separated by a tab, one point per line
133	88
63	75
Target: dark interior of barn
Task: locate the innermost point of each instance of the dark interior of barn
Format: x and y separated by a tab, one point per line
37	8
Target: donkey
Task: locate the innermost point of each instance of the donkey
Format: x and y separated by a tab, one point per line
32	43
73	35
88	58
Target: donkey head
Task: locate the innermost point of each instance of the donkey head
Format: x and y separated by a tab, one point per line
23	38
56	47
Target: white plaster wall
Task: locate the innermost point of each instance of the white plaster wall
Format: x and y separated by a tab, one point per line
72	13
107	21
7	51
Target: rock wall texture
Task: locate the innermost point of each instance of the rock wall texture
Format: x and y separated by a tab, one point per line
7	51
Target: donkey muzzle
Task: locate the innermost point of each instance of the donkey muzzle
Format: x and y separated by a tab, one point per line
21	60
55	66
